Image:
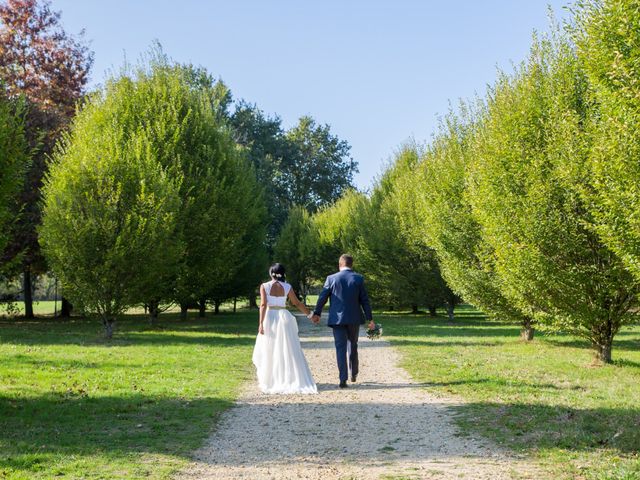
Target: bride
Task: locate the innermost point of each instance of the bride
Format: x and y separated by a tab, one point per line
278	357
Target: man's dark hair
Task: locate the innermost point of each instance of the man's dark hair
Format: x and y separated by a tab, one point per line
346	260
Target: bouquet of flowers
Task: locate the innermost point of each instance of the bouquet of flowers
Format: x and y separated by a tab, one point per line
375	333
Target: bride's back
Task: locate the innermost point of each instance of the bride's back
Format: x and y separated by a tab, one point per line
277	289
277	292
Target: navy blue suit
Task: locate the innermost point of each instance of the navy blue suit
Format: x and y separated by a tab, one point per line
349	308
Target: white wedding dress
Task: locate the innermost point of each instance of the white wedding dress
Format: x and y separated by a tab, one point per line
280	363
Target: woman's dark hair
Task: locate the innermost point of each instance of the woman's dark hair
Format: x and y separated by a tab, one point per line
277	271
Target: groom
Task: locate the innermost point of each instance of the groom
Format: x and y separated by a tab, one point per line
348	300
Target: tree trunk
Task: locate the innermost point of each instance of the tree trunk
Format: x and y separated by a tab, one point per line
414	309
527	330
27	286
202	308
235	304
451	311
108	327
603	332
216	307
184	310
433	311
154	311
65	308
603	352
252	301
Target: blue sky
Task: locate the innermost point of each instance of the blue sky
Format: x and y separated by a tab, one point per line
379	72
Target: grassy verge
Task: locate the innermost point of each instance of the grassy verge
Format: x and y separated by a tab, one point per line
74	406
544	398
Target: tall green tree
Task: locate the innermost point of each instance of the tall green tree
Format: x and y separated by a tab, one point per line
157	115
247	260
401	271
339	229
306	165
49	68
608	41
228	200
434	210
110	210
295	248
266	147
526	192
321	169
221	201
14	160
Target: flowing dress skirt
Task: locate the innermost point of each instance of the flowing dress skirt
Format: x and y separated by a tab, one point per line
280	362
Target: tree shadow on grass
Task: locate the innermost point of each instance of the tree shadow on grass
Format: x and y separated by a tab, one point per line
39	430
133	339
475	327
228	330
621	362
468	327
461	312
618	343
171	338
444	329
535	426
428	343
540	387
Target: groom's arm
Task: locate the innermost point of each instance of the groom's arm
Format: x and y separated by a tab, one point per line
323	297
364	302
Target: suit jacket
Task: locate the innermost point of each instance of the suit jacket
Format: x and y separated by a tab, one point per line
348	299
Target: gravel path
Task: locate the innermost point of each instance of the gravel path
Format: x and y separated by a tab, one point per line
384	427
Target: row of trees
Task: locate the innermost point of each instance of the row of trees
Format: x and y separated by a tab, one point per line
45	71
258	164
535	186
149	200
526	200
401	272
306	165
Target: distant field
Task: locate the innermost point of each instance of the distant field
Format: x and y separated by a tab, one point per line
44	307
47	308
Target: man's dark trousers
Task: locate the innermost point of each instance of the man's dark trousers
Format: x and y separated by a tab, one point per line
346	340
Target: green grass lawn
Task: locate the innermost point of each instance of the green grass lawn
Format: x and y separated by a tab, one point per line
545	398
42	307
75	406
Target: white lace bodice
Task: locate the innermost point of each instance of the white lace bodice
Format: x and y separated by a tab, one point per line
276	301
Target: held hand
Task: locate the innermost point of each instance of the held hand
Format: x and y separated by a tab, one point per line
315	319
372	325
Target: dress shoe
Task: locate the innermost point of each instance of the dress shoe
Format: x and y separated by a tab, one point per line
343	384
353	378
